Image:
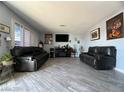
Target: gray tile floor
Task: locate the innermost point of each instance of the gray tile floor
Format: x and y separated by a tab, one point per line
65	74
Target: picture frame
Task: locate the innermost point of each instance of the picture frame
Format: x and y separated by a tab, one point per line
114	27
4	28
48	38
95	34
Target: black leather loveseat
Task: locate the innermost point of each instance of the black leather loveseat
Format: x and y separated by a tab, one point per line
103	57
28	58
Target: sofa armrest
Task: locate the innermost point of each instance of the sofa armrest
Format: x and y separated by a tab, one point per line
105	61
84	53
25	64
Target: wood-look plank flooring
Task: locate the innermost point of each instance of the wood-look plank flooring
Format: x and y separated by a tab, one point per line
65	75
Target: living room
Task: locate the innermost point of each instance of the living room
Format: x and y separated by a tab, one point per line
61	46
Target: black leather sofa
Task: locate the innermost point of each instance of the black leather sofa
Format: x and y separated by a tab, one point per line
28	58
100	57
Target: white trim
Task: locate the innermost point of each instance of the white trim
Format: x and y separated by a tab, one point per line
120	70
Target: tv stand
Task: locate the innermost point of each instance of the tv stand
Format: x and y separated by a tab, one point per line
62	52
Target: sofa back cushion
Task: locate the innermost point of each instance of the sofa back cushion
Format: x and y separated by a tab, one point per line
107	50
92	50
104	50
21	51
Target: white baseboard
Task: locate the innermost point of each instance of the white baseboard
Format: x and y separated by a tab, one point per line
120	70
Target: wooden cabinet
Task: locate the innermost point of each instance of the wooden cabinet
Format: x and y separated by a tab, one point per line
5	73
62	52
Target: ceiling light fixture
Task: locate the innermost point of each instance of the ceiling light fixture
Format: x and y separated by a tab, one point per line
62	25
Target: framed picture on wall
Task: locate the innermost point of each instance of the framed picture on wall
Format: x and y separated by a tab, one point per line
95	34
48	38
114	27
4	28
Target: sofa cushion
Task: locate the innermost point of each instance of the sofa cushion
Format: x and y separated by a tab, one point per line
17	51
98	56
92	50
110	51
40	56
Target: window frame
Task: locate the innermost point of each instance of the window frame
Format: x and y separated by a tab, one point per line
23	33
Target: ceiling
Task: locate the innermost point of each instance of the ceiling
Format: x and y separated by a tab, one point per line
76	16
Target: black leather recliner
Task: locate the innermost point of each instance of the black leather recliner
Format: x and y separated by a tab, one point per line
102	57
28	58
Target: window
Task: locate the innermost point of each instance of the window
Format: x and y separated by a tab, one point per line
22	36
18	35
26	37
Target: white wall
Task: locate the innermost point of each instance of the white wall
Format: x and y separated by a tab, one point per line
35	38
8	18
72	44
118	43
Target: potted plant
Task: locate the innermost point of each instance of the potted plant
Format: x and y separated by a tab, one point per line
6	59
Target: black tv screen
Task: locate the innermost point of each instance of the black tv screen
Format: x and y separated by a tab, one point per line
62	37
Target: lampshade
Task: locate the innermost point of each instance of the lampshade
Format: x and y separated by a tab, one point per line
8	39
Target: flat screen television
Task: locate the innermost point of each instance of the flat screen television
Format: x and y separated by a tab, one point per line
62	37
